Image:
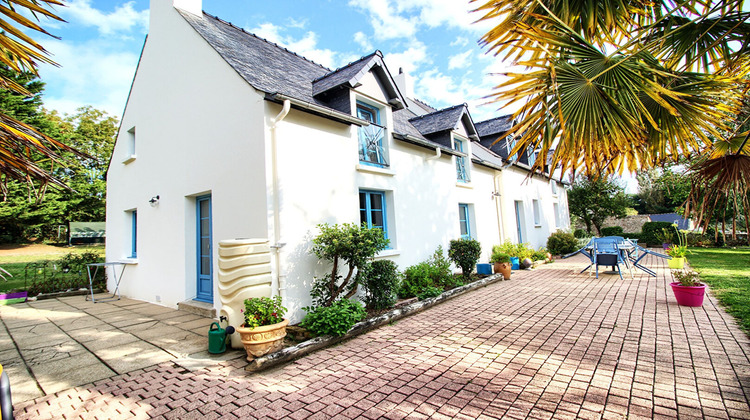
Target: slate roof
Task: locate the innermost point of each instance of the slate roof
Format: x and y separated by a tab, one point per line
443	120
264	65
682	223
494	126
269	68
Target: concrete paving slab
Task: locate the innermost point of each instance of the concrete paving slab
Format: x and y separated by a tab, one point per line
55	381
134	356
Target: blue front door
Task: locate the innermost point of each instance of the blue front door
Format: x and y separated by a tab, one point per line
205	286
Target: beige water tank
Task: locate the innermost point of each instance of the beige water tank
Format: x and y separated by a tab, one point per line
244	272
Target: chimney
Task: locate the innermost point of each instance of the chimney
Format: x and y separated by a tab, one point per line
403	81
191	6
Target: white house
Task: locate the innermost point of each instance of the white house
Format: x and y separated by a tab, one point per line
226	135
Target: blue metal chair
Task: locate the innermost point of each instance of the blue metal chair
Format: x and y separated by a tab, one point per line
606	251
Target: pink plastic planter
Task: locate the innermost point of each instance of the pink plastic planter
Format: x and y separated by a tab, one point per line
688	296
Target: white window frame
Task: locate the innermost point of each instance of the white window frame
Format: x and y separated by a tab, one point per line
537	212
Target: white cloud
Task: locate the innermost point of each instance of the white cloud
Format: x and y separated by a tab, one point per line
460	42
409	60
91	74
305	46
402	18
361	39
460	61
124	18
385	19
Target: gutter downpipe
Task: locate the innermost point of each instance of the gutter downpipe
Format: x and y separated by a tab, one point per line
438	153
277	245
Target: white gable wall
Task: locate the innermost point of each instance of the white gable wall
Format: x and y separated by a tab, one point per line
198	130
517	187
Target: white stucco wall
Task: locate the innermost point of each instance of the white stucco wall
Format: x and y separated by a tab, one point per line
516	186
198	130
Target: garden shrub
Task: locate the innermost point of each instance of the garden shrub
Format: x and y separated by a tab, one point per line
632	236
561	243
581	233
649	231
347	245
416	278
514	250
612	231
380	280
429	292
539	254
435	272
336	319
66	273
465	254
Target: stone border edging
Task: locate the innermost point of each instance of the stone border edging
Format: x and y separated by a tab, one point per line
287	354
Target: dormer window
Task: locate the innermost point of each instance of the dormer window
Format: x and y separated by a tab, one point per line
372	147
510	143
462	174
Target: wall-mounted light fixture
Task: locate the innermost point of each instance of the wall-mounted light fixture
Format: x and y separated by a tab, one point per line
154	200
495	194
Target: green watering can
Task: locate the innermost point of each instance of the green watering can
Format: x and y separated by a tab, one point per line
217	337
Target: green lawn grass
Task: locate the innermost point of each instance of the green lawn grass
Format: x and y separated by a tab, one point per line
16	265
727	272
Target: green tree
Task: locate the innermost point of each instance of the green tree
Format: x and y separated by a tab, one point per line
593	200
663	191
23	214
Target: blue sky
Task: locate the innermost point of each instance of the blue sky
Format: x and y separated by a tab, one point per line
434	41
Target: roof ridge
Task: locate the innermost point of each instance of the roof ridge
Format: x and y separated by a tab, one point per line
265	40
347	65
439	110
493	119
423	103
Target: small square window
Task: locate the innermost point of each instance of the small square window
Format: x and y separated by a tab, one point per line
372	210
461	172
129	146
132	216
372	144
464	221
553	185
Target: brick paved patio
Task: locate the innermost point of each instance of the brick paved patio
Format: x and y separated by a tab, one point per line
547	344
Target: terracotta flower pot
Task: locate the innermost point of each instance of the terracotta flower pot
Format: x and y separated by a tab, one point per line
260	341
676	263
688	295
503	268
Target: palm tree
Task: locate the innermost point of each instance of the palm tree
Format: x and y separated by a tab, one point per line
614	86
23	149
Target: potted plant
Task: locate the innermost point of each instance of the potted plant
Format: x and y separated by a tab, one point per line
264	328
666	236
678	252
688	290
501	263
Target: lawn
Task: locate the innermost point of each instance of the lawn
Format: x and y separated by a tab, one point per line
727	272
15	263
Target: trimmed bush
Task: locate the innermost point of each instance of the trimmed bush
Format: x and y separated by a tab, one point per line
612	231
561	243
649	231
380	280
580	233
465	254
336	319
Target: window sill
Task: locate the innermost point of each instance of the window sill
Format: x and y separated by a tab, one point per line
537	226
129	159
375	170
388	253
466	185
129	261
